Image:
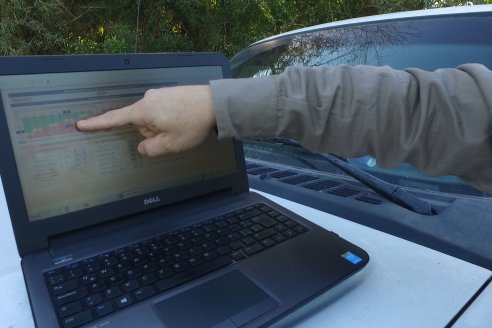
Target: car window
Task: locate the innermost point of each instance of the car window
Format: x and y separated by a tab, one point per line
428	43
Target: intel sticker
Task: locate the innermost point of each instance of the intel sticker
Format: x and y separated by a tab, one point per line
351	257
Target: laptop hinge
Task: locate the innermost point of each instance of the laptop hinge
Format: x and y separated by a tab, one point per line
61	247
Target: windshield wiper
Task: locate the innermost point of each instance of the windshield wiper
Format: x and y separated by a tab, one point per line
391	192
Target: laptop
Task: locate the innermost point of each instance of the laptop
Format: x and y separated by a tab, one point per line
111	239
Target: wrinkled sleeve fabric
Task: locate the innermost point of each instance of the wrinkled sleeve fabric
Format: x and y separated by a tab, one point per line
440	122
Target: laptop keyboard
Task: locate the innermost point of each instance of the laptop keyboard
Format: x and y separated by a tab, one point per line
98	286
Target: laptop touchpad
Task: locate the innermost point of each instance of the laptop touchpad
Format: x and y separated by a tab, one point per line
228	301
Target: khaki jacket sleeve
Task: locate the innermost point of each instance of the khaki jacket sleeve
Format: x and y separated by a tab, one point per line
440	122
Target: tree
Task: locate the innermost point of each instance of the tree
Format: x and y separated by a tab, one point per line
110	26
32	27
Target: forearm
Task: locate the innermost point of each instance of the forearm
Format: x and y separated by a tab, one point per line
437	121
245	107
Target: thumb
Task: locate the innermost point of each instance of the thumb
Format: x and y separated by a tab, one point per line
155	146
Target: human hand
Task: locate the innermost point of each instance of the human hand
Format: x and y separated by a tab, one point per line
171	120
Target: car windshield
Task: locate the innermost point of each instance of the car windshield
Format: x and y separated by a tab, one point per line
427	43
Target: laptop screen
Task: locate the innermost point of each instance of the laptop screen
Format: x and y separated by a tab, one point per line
62	170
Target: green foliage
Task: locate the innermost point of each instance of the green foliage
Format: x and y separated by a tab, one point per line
31	27
119	26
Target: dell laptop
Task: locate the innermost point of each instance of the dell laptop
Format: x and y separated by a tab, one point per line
112	239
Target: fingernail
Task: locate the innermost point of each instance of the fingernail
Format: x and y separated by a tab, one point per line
79	124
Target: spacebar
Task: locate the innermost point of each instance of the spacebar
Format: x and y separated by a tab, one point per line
171	282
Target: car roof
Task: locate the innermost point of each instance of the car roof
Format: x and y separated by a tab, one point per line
387	17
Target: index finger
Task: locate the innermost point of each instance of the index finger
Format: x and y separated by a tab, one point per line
113	119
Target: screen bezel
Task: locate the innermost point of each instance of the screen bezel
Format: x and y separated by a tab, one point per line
34	235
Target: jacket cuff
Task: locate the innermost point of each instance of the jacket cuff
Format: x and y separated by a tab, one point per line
245	107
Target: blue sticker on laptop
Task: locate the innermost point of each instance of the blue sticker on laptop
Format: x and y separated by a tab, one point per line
351	257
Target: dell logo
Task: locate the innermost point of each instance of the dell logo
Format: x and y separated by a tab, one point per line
151	200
